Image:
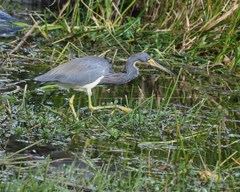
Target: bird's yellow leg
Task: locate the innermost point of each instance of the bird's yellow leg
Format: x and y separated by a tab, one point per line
90	106
72	107
122	108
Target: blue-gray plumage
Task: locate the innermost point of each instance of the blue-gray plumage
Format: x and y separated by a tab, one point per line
77	72
85	73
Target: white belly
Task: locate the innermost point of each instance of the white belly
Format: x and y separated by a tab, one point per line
89	86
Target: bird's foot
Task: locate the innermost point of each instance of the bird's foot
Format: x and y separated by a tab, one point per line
122	108
125	109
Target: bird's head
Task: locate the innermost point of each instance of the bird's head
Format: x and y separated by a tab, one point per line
148	60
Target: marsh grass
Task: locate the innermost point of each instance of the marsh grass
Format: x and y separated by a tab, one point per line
197	28
152	149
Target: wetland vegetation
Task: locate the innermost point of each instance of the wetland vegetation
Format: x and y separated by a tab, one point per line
183	133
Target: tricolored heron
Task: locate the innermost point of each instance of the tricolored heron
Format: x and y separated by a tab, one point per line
83	74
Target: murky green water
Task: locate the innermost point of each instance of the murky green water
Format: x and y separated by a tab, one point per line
212	92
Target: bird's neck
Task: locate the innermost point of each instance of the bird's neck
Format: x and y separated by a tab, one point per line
131	69
122	78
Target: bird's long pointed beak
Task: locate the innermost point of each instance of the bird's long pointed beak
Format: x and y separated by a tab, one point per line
157	65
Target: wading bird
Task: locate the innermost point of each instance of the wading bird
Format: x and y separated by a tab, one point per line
83	74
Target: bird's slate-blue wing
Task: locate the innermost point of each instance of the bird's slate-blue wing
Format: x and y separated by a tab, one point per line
80	71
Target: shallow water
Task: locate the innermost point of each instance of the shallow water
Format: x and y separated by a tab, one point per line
212	92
